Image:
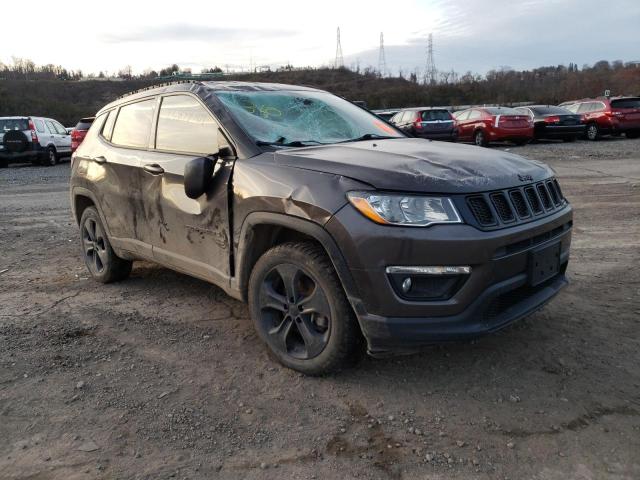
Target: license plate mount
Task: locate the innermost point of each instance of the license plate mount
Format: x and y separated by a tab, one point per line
544	263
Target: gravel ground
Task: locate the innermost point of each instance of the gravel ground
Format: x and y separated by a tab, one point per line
162	376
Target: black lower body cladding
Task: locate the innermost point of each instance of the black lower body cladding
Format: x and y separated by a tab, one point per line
500	288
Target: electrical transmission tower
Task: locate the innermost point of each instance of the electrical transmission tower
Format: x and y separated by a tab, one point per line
382	60
339	60
430	73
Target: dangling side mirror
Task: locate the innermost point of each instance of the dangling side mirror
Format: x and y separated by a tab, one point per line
198	174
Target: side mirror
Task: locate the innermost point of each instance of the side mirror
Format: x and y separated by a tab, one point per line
197	176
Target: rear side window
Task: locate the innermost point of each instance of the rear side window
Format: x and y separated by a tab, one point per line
133	124
14	124
39	125
60	129
184	125
430	115
108	125
626	103
50	127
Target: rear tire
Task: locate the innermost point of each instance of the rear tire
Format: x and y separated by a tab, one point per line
632	134
101	261
50	158
480	139
593	132
300	310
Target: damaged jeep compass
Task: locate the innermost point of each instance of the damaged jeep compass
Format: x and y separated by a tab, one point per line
335	227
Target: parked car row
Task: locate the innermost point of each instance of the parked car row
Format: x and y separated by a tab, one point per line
38	140
591	118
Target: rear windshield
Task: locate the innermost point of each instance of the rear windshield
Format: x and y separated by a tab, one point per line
84	123
626	103
7	124
550	110
502	111
429	115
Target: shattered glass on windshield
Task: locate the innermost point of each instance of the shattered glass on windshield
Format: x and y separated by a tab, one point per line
301	116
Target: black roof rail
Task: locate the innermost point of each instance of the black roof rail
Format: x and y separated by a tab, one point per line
158	85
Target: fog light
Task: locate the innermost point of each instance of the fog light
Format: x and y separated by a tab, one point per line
427	283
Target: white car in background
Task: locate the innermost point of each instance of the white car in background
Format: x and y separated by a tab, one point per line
35	139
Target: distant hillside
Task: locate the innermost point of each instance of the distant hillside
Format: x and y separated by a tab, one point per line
69	100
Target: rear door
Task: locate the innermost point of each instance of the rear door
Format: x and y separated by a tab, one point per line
51	134
112	164
190	235
63	139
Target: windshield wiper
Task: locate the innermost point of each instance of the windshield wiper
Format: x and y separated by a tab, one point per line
368	136
295	143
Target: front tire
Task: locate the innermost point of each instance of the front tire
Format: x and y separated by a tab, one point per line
101	261
300	311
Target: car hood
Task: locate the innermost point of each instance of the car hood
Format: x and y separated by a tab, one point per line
418	165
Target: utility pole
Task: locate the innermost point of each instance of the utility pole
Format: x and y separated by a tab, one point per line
382	60
339	63
430	72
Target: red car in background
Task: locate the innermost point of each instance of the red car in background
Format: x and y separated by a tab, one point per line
80	131
608	116
483	125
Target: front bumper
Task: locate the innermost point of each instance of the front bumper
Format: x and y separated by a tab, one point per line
495	294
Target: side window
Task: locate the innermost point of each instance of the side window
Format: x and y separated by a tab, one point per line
133	124
573	107
407	117
474	115
598	107
461	116
107	130
184	125
50	127
39	125
395	118
584	108
61	130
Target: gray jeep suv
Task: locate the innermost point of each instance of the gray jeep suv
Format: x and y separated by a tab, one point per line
333	225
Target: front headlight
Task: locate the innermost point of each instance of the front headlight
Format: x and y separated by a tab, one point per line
407	210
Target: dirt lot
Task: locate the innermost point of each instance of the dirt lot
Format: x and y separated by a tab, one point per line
162	376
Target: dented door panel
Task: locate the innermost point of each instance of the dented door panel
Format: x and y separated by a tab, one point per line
188	234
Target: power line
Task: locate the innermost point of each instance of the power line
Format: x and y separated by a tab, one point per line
339	59
382	59
430	72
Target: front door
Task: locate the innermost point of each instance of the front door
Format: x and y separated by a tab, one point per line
191	235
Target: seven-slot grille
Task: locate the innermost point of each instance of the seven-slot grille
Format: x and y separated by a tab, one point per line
515	205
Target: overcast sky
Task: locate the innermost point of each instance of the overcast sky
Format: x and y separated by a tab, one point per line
476	35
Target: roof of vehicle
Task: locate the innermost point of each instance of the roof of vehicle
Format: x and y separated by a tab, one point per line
194	85
422	109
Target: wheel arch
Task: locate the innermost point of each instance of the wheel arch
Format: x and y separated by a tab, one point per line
81	198
263	230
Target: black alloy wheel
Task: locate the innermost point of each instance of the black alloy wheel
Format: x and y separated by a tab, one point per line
295	312
102	262
300	310
94	242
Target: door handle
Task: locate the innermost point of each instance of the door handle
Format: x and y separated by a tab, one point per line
153	169
100	160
